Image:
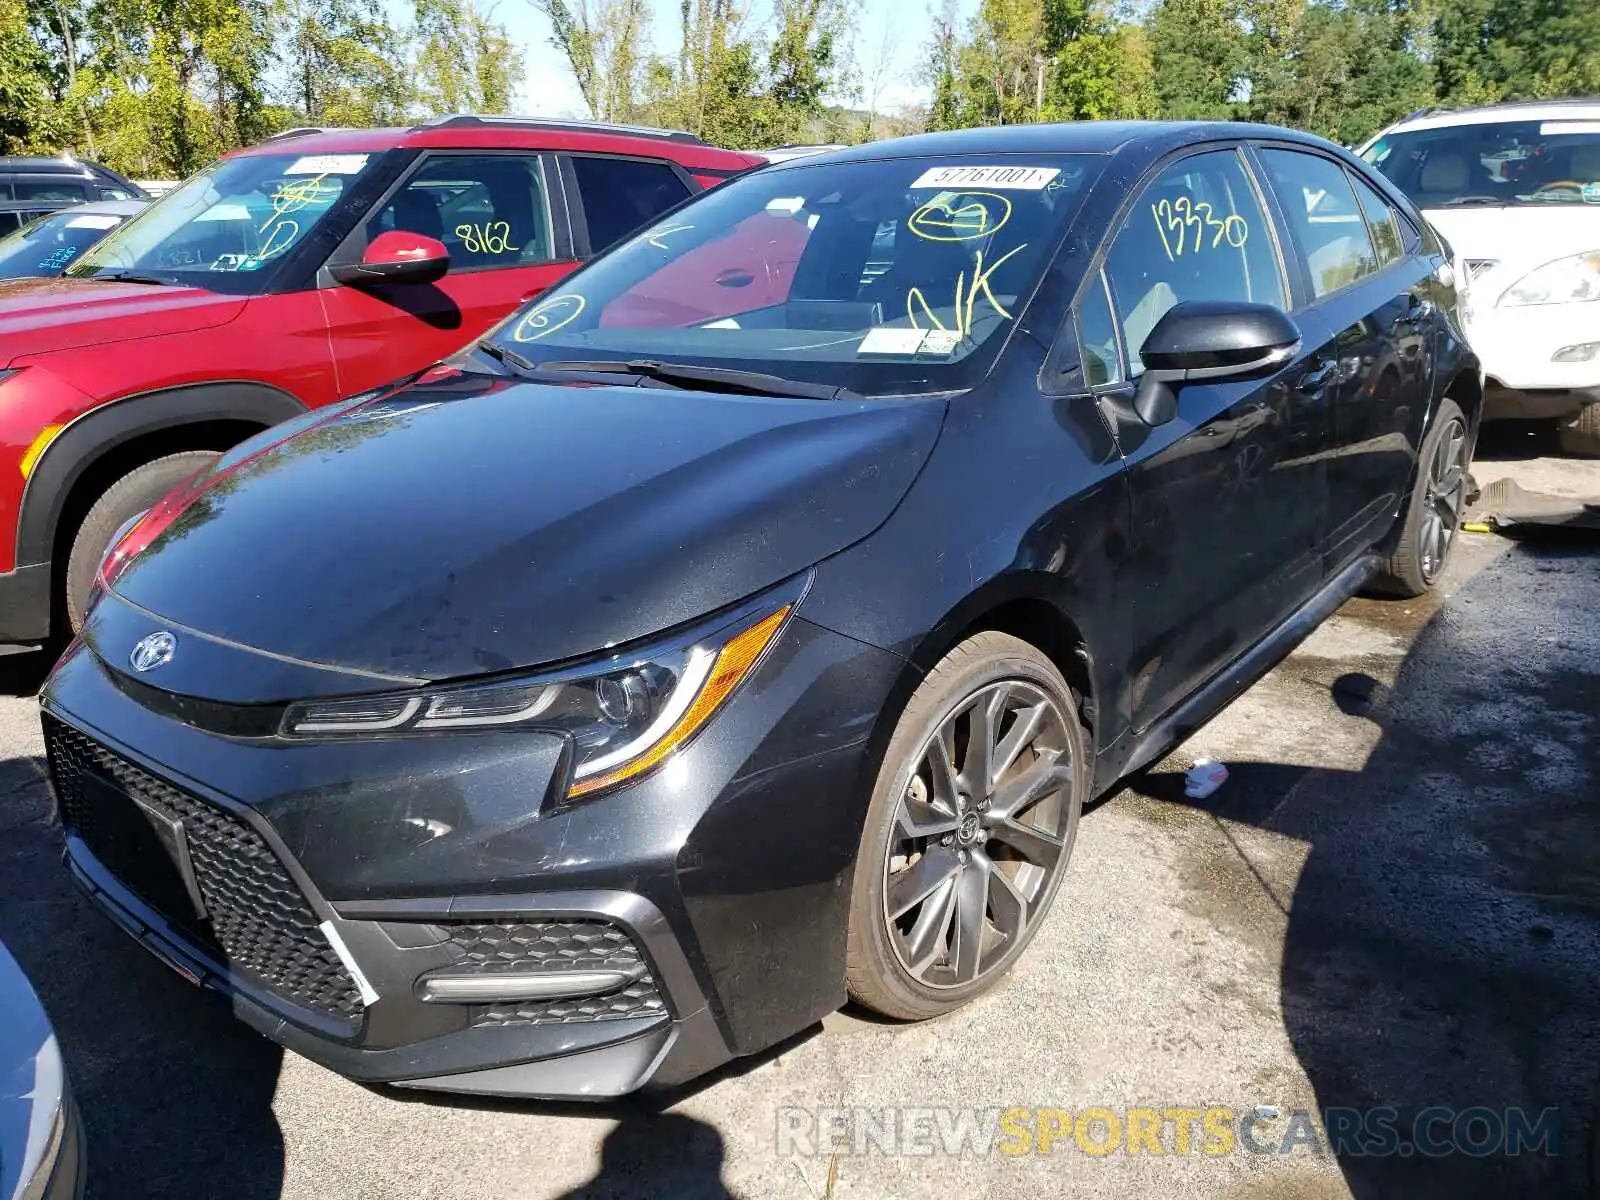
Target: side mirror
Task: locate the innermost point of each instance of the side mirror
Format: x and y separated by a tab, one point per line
1205	339
398	256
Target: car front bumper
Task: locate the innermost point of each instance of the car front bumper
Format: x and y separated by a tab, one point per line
1518	347
327	888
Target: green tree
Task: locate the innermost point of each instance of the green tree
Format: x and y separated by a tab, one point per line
604	43
941	70
31	116
1494	49
346	64
1198	48
1099	69
465	61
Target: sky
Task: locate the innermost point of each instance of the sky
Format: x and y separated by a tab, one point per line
893	32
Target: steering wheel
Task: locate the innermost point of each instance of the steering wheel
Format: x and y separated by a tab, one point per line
1576	185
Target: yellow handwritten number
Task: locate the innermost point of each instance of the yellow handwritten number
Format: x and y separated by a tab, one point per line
493	237
1177	217
547	316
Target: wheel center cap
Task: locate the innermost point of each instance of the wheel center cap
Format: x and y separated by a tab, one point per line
967	833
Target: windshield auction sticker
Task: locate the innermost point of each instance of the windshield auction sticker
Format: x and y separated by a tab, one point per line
327	164
887	340
1021	179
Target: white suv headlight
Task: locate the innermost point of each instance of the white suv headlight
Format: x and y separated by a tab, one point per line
1574	280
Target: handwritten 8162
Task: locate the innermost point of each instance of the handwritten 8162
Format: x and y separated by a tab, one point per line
493	237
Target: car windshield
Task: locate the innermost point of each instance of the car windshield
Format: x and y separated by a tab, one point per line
48	245
899	275
1503	162
228	227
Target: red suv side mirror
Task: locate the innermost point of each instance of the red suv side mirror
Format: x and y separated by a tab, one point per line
398	256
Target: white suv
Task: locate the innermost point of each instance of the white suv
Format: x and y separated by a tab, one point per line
1515	190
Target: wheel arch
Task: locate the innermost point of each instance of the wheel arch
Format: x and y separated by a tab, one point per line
1027	605
107	442
1466	389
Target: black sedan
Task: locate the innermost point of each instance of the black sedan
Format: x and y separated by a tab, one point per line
745	625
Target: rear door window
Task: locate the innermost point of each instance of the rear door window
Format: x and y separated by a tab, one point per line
63	190
1382	222
622	194
1197	232
1324	218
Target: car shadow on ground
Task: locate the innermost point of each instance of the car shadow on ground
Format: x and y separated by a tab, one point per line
1443	939
175	1094
21	674
1500	441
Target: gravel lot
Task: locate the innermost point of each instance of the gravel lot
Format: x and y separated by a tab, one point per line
1395	900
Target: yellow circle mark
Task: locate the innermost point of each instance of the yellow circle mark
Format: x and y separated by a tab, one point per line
940	220
547	316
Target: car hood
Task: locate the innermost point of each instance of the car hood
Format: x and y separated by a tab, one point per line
32	1079
1516	240
474	524
38	316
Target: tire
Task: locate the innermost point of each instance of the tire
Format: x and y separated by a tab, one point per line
1580	435
1431	518
919	963
132	494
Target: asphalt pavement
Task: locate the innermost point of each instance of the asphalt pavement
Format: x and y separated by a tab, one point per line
1393	902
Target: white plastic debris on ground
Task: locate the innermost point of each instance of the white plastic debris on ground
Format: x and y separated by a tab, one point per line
1205	777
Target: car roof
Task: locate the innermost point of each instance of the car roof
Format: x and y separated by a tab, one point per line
1522	110
20	164
1075	137
467	132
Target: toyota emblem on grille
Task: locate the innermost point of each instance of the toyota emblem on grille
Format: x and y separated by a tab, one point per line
153	651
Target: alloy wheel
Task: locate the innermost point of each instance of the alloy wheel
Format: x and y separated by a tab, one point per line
980	835
1442	503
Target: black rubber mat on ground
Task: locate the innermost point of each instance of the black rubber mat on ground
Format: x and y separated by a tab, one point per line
1506	507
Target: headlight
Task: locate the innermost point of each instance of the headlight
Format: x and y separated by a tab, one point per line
1574	280
624	715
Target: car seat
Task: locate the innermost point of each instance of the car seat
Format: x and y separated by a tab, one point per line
415	211
511	194
1584	163
1444	171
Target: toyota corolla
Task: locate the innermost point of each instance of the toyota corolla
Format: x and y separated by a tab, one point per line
744	626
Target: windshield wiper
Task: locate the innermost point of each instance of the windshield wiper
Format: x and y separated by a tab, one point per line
510	358
1464	201
720	379
130	277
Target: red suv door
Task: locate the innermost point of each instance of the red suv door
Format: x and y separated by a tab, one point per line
493	211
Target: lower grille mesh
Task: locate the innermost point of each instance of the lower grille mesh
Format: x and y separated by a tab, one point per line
256	919
552	947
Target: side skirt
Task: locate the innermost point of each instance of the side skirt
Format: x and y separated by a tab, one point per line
1155	740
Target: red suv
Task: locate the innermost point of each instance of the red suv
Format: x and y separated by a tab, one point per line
314	266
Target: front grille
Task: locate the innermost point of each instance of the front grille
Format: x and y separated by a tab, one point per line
550	948
254	917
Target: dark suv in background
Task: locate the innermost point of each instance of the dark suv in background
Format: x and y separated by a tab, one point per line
314	266
31	187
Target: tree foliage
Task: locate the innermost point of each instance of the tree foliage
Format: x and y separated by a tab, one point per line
1342	68
160	87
